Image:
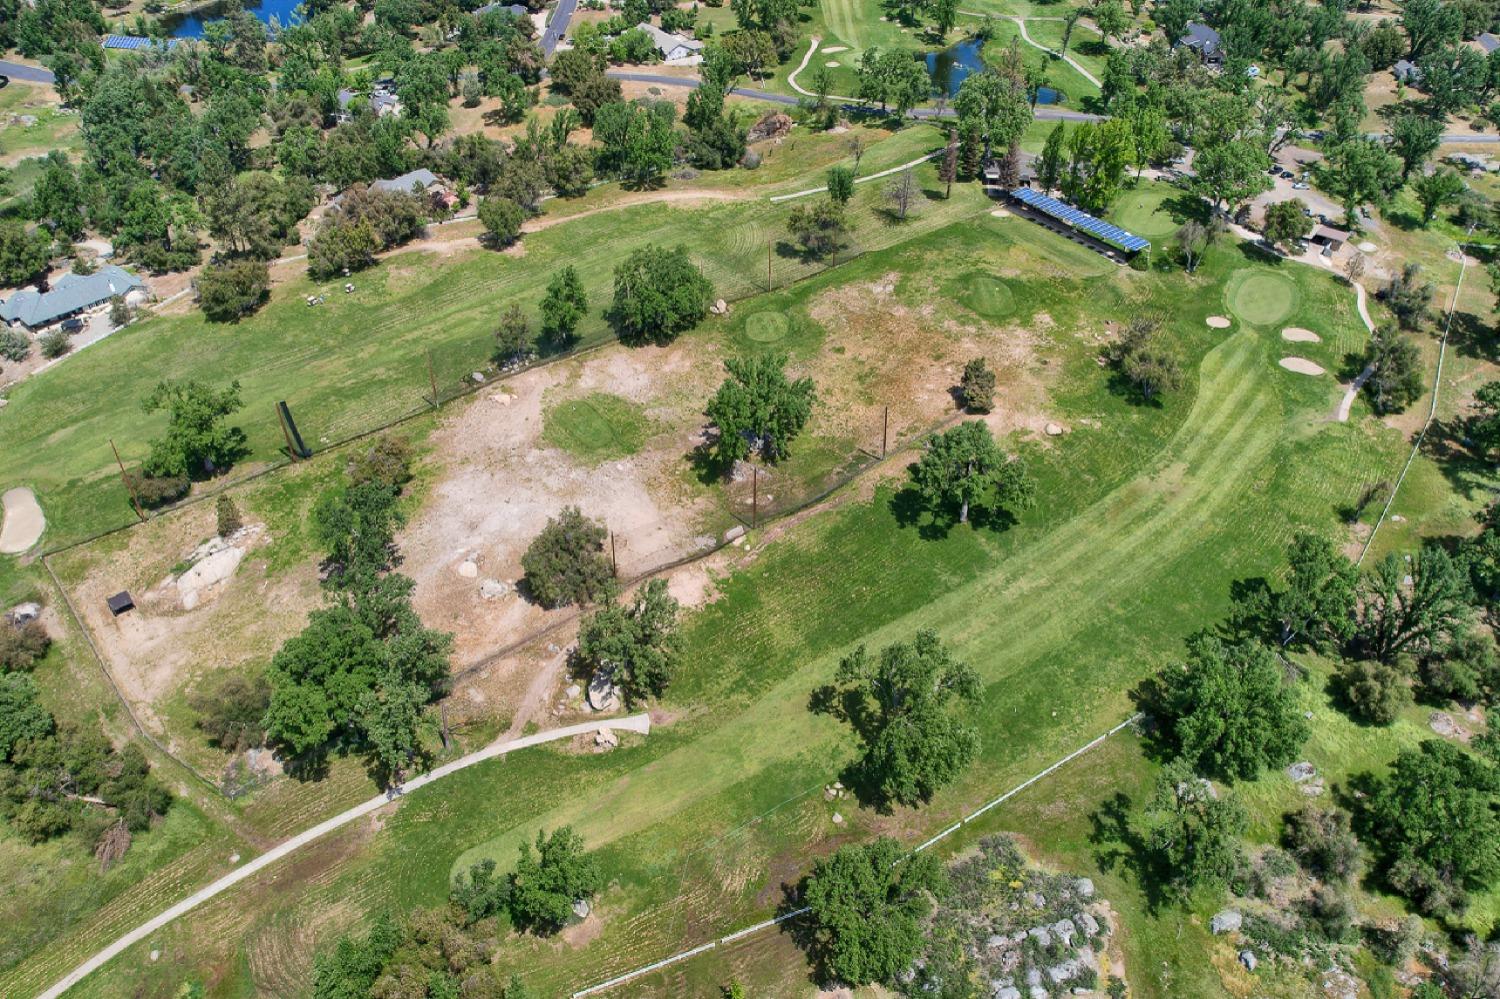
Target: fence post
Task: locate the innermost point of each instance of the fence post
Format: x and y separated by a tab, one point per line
754	495
432	379
885	430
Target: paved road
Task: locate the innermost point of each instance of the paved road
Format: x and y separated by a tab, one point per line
635	723
32	74
557	28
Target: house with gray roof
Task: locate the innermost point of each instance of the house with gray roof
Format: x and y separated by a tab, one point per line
1406	71
67	297
408	183
1203	40
671	47
519	10
1488	41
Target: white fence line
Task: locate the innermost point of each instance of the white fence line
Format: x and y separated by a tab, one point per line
767	924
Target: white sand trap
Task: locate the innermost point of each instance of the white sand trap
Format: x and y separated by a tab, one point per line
1218	322
1301	365
832	64
1296	334
1367	247
23	523
1000	213
836	48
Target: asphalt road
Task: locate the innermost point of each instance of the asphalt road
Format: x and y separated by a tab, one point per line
31	74
558	26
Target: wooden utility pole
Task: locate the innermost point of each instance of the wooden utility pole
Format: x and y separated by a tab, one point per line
885	430
769	244
432	379
614	562
125	481
754	495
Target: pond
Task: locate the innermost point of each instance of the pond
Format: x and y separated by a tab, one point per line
949	67
191	25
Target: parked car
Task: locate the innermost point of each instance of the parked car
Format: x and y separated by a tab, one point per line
1301	185
1286	175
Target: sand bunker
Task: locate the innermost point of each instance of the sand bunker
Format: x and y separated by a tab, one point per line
1300	365
836	48
1218	322
1000	213
832	64
1296	334
23	523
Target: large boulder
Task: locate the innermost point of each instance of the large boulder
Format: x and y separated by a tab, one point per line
1226	921
603	694
773	125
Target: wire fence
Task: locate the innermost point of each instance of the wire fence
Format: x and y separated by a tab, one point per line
747	931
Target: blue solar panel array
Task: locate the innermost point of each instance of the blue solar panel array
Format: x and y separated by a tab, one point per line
1082	221
131	42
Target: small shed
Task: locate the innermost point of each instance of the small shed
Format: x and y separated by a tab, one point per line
1405	71
120	603
1332	240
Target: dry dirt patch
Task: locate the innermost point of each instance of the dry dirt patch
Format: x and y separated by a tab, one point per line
500	482
881	351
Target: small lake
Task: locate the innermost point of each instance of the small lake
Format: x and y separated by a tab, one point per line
949	67
191	25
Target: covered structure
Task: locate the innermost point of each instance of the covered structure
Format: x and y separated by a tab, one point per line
671	47
1078	225
1330	239
68	296
1203	40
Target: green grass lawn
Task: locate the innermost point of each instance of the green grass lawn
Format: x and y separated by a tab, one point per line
1145	515
362	360
596	428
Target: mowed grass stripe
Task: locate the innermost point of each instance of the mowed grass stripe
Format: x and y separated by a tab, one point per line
1149	523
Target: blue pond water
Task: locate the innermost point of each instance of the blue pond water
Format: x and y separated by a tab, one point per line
191	25
949	67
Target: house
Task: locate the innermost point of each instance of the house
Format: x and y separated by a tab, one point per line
69	295
1488	42
1330	239
1205	41
671	47
383	102
519	10
1406	71
422	180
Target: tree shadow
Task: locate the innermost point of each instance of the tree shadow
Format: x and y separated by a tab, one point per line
1119	846
801	930
1118	384
911	511
1448	444
1187	207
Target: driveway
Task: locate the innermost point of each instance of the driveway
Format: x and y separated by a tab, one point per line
31	74
557	28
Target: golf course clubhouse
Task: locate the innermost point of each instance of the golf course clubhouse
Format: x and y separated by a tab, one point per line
1078	225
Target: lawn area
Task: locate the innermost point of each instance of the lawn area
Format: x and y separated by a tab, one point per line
1145	514
596	428
361	360
48	128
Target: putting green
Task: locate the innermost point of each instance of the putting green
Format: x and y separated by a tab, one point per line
1260	297
1141	212
766	327
596	428
987	295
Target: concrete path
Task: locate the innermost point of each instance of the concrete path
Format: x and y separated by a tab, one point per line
635	723
1352	392
24	522
860	180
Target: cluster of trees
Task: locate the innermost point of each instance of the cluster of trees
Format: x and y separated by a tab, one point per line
198	441
1230	711
59	778
359	676
448	950
365	221
563	307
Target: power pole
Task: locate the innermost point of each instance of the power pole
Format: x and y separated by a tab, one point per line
754	495
769	243
885	430
125	480
614	562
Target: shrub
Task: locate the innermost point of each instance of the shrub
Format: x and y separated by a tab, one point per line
1331	911
21	648
387	462
55	344
1324	842
658	294
119	312
231	290
1373	691
978	386
155	490
565	563
14	346
501	218
228	516
230	710
544	887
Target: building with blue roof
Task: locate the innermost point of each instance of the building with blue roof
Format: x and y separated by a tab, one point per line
1076	221
67	297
